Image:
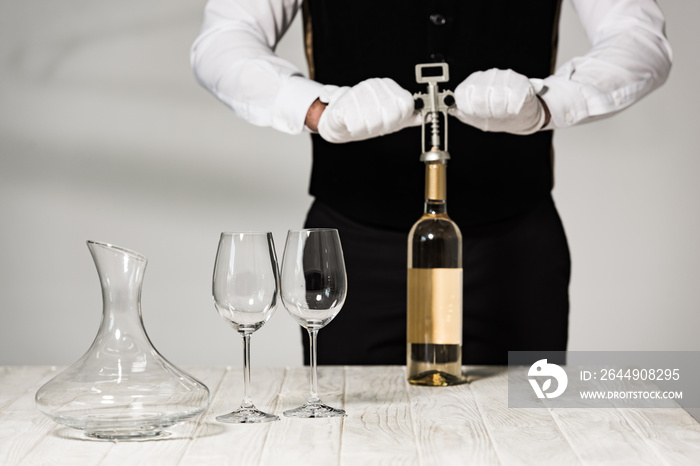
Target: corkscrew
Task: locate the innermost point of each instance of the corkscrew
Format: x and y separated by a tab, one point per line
433	107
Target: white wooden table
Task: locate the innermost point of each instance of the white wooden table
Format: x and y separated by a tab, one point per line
388	422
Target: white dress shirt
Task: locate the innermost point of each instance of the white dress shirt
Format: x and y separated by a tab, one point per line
234	58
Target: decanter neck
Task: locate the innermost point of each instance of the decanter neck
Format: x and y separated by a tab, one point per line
121	276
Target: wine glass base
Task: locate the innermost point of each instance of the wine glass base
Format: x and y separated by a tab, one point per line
247	416
314	410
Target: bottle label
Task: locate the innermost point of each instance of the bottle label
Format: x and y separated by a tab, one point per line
435	306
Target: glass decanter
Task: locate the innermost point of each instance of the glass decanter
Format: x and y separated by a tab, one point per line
122	388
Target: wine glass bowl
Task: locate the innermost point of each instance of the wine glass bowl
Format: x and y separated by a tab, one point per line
247	306
313	290
314	301
245	288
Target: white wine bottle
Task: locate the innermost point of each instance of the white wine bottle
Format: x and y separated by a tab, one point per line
434	291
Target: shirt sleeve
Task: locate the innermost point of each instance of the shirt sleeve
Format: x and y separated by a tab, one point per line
630	56
234	58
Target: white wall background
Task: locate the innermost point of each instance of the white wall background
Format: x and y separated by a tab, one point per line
105	135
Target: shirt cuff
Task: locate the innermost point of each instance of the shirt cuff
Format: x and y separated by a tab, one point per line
565	101
292	102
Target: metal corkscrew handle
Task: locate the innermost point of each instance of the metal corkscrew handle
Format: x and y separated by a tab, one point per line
431	105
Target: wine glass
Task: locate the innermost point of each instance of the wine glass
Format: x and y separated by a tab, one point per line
313	289
245	289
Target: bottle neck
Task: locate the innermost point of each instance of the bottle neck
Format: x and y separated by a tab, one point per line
436	187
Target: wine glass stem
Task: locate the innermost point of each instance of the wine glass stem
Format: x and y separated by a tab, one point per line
313	397
247	402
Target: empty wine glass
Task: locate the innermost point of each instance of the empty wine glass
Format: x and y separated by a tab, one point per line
313	289
245	289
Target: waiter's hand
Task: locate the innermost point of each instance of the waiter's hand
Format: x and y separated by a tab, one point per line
372	108
501	101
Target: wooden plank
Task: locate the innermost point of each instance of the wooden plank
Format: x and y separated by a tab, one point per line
223	444
598	423
306	441
603	436
519	435
23	425
672	433
69	446
16	381
449	426
379	428
388	422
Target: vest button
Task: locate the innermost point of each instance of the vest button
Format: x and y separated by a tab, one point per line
437	19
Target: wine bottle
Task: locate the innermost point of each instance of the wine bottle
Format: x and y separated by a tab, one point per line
434	291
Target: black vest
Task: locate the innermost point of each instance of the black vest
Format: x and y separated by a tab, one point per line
491	176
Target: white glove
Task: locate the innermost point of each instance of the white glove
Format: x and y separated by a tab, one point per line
500	101
371	108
